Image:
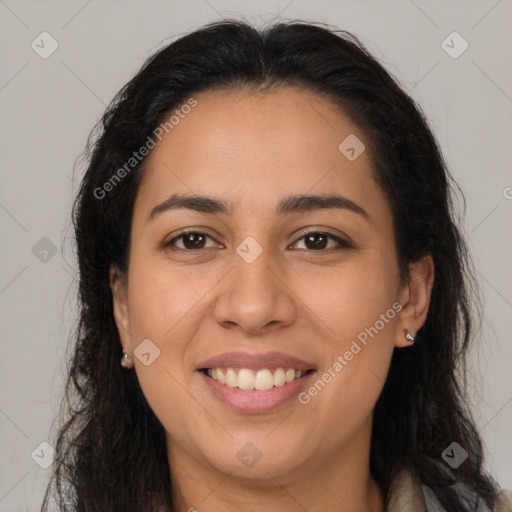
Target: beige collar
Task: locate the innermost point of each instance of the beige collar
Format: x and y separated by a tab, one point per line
504	502
406	494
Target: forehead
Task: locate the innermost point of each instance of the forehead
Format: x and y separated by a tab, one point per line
244	145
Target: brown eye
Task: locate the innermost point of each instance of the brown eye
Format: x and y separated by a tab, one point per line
191	240
317	241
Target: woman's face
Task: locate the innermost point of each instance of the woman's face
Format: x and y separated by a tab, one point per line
263	286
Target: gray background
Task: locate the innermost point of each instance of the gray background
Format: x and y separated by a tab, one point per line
49	106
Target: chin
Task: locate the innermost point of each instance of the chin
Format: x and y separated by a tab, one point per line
259	460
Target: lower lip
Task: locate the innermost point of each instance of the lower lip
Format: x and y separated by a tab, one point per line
254	401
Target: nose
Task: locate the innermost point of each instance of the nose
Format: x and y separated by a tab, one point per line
256	297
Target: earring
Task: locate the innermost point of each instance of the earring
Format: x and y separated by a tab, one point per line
126	361
409	337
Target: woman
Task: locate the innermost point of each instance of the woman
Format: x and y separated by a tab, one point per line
274	294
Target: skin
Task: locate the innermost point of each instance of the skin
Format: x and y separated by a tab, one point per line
252	149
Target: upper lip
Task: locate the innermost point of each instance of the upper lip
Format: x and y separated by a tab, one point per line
270	360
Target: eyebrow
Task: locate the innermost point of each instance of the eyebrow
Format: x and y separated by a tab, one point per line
298	203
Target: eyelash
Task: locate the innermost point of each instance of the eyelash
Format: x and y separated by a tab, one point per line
343	244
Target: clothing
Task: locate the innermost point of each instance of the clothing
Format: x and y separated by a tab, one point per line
409	494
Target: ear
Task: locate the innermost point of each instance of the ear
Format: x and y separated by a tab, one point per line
414	296
119	287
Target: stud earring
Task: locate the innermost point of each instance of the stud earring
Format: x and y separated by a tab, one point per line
126	361
409	337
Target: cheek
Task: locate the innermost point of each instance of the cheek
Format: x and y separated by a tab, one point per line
357	310
162	310
345	300
343	395
164	298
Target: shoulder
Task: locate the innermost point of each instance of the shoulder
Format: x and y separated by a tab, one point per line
407	492
473	501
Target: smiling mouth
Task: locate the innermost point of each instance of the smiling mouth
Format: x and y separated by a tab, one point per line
259	380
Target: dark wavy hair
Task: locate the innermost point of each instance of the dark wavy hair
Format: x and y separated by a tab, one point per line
111	448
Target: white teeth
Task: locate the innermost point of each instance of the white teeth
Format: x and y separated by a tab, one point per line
264	380
231	378
260	380
290	375
279	377
246	379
